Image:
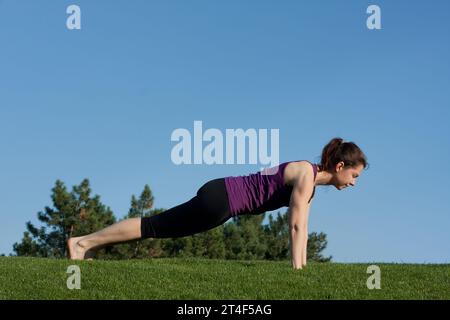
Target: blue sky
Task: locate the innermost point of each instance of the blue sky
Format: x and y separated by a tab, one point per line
102	102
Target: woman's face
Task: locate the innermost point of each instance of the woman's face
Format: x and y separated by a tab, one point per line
346	176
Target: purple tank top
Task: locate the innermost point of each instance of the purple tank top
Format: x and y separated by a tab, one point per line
257	193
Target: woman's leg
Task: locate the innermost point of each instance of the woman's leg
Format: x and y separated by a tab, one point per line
208	209
123	231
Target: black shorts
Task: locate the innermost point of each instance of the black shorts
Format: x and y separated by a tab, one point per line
207	210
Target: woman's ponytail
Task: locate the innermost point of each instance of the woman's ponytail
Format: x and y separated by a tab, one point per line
337	150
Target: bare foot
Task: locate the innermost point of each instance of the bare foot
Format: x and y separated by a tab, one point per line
76	251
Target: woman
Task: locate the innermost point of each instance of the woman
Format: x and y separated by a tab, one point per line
292	185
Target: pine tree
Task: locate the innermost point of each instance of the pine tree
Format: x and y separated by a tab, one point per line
316	244
245	240
74	213
277	237
208	244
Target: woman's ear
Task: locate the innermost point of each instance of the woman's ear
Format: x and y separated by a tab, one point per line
340	166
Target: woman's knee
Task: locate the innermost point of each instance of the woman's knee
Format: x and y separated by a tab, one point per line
147	229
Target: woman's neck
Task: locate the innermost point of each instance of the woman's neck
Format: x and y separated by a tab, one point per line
323	178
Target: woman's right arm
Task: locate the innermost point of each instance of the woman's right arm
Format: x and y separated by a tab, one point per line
298	218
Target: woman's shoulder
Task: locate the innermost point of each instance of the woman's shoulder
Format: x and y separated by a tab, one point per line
294	169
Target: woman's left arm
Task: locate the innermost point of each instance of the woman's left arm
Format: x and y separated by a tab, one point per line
305	241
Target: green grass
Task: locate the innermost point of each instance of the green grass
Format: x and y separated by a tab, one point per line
35	278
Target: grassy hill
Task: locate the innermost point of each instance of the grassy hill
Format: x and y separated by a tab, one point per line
37	278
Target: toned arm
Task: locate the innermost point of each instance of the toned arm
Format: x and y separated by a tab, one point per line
298	218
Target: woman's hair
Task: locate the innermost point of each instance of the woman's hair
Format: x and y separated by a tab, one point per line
337	150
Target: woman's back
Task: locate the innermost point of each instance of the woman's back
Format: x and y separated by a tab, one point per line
256	193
